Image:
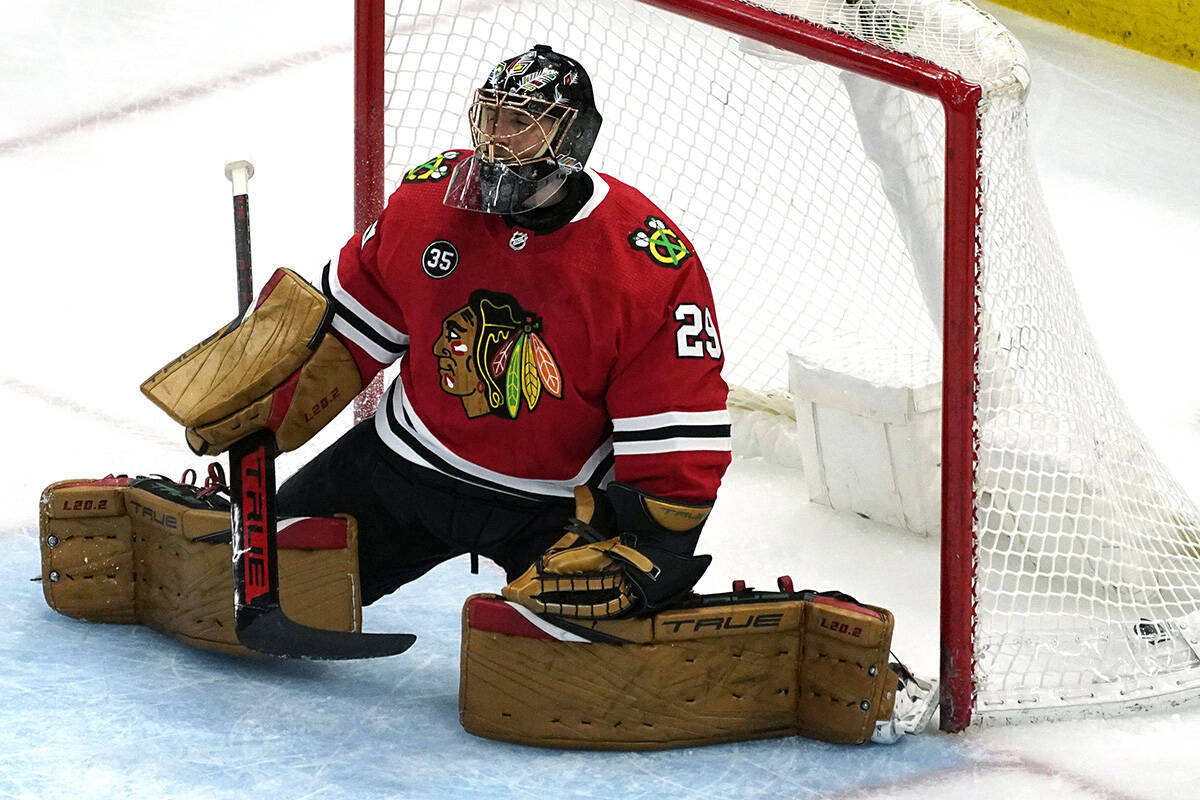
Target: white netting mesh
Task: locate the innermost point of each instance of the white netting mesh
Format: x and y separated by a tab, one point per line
787	212
1089	552
815	199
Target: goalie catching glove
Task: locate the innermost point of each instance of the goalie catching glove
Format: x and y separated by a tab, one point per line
279	368
625	552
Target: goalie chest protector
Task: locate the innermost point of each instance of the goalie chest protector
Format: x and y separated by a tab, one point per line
805	665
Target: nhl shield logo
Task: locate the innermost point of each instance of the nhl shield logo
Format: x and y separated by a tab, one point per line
518	240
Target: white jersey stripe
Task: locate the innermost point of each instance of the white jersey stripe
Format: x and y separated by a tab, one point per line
354	307
671	418
396	443
599	192
345	328
546	627
416	428
679	445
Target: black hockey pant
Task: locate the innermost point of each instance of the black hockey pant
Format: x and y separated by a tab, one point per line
410	519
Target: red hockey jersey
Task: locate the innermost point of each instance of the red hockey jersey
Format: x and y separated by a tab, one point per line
530	363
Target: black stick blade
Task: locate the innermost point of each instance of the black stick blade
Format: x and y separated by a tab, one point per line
259	620
274	633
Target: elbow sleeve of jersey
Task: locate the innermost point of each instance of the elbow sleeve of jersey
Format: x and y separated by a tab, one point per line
366	316
671	432
691	477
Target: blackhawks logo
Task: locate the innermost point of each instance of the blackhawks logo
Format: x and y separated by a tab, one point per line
663	245
491	356
434	169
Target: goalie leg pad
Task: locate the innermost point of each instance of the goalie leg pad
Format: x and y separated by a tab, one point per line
802	665
118	550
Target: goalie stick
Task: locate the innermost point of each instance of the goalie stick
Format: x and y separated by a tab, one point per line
259	621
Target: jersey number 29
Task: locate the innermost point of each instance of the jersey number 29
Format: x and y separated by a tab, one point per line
696	336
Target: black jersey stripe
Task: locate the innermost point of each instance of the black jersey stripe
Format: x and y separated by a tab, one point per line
359	324
674	432
602	469
403	431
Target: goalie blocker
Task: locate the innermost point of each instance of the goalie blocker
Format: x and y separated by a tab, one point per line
718	668
278	369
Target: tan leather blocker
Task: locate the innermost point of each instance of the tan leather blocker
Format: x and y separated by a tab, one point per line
814	667
278	368
112	553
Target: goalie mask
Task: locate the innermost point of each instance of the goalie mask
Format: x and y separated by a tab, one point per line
533	124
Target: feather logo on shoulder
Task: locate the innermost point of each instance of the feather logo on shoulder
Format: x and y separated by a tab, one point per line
663	245
491	355
434	169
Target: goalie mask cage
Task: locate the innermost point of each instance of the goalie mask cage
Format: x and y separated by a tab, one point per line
855	176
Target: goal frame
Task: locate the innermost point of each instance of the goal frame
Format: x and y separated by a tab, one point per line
960	100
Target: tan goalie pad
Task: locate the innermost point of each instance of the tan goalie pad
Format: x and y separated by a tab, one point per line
295	411
111	553
278	368
234	367
681	678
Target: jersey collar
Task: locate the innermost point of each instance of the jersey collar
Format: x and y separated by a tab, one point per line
586	191
599	192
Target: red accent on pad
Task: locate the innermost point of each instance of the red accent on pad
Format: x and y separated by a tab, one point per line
739	586
271	284
281	401
312	533
833	601
110	480
368	367
785	583
495	615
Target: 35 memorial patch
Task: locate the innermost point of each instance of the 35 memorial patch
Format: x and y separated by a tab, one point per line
434	169
664	246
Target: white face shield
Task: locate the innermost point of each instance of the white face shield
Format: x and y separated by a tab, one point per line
492	188
478	185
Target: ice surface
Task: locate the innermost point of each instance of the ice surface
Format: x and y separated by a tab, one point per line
115	223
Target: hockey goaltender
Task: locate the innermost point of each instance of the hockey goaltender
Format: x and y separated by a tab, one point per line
559	410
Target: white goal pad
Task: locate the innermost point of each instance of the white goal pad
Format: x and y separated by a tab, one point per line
870	439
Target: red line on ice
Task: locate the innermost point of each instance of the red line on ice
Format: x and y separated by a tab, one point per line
170	98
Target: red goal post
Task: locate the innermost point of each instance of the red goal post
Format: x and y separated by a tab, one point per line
997	437
368	143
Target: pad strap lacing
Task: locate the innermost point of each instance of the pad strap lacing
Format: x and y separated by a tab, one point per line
584	531
612	546
214	483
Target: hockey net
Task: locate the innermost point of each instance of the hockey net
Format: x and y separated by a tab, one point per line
843	166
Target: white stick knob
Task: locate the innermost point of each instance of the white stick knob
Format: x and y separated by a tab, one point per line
239	172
